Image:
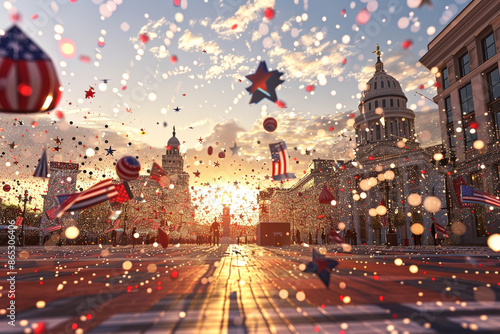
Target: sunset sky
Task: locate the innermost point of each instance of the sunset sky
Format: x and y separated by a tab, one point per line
216	43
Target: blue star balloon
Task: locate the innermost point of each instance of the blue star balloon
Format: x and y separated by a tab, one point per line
321	266
264	84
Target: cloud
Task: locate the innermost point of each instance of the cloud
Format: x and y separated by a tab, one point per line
305	65
245	15
228	62
189	43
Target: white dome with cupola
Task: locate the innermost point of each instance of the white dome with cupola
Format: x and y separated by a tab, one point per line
383	115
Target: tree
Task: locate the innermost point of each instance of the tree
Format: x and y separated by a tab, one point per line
377	222
399	218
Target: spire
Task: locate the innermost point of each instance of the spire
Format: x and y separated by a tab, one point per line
379	66
173	132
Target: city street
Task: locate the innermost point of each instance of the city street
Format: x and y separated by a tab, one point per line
251	289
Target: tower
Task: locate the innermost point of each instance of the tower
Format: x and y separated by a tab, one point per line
172	161
62	181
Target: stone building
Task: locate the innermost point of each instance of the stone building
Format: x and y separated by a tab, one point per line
465	58
62	181
163	205
388	165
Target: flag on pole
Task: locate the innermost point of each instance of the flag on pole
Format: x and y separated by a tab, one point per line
163	238
52	228
335	237
98	193
42	169
471	195
157	172
279	155
116	224
439	227
19	221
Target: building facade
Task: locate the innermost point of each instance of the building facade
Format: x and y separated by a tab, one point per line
465	57
371	190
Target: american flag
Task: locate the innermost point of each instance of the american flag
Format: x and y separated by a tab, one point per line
28	79
157	172
439	227
98	193
52	228
124	193
116	224
471	195
51	214
279	155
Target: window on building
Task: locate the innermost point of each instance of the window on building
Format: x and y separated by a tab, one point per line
448	110
369	106
375	85
383	103
497	124
391	101
377	132
493	84
489	48
470	137
444	75
479	217
376	104
397	101
466	100
381	84
477	180
388	84
464	65
451	139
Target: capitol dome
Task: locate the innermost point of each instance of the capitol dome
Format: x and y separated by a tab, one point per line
383	115
173	143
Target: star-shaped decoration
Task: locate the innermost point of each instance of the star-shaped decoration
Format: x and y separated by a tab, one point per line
321	266
200	140
13	145
425	2
109	151
264	83
235	183
21	123
197	173
57	148
234	149
58	140
89	93
216	164
177	109
308	152
16	162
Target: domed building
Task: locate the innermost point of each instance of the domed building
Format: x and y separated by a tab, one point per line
387	166
383	115
173	162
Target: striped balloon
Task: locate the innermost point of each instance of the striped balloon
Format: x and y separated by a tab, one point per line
128	168
28	79
270	124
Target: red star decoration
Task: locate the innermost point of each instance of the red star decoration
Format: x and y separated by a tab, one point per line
259	79
322	265
89	93
201	140
197	173
216	164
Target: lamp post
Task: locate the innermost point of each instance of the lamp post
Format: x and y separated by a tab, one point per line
25	199
387	178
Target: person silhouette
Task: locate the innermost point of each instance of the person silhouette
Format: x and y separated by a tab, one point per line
214	229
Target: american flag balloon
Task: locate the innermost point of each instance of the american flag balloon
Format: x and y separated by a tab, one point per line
28	79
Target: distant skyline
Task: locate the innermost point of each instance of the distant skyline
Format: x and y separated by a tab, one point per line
216	44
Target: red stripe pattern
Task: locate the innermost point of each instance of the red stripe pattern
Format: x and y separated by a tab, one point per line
28	79
98	193
279	155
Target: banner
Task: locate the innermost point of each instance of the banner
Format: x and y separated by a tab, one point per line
457	183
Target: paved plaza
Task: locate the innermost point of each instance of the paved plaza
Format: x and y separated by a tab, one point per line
251	289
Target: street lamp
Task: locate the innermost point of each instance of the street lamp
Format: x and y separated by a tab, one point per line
25	199
387	181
